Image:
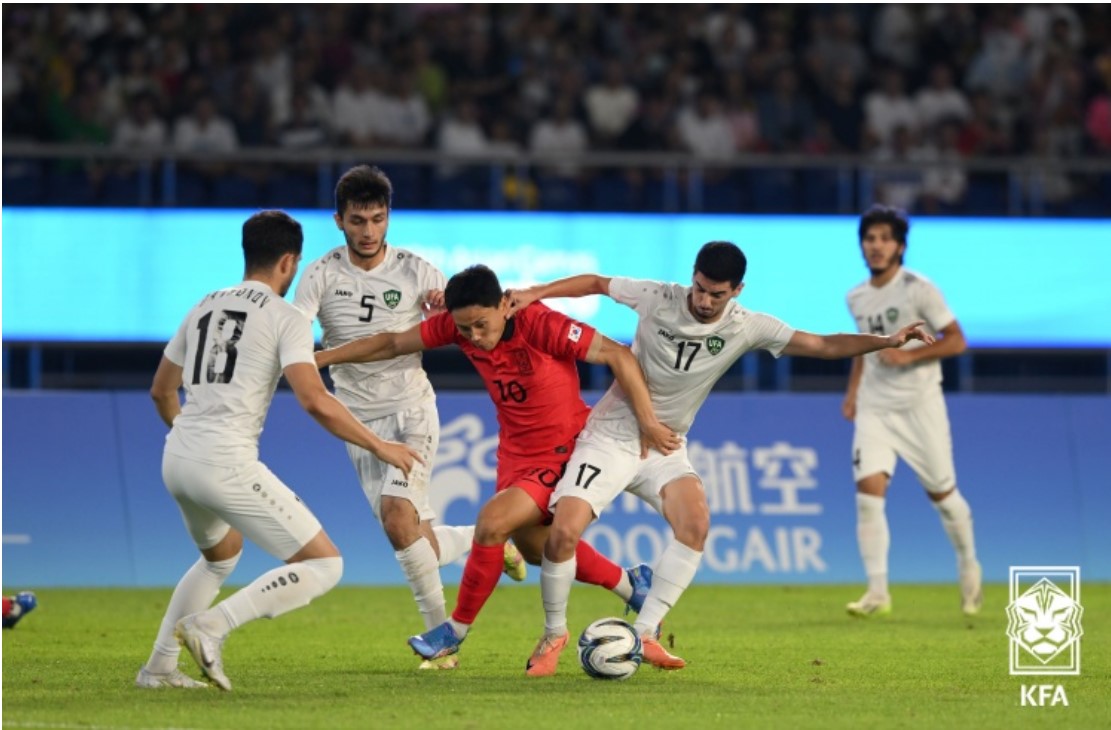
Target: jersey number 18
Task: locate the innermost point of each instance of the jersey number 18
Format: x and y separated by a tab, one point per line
223	344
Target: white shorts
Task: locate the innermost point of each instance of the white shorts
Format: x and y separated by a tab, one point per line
249	498
602	468
919	435
419	427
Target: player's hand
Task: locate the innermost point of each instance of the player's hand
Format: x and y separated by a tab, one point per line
402	456
912	331
848	407
434	302
519	299
658	437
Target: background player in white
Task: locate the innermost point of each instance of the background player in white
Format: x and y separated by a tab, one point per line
896	402
687	337
357	290
229	354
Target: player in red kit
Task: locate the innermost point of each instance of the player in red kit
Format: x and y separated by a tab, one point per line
528	363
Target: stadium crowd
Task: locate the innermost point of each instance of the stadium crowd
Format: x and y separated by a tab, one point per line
928	85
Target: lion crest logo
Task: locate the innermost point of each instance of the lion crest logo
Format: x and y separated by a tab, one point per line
714	344
1044	621
392	298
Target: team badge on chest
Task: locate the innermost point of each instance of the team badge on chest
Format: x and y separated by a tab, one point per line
714	344
391	298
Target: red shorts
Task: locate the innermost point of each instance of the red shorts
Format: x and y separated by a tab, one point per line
536	475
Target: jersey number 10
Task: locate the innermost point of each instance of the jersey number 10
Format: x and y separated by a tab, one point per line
223	344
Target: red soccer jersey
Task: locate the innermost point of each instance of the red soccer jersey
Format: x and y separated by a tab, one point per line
530	375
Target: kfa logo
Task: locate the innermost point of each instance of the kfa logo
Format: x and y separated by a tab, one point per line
714	344
1043	624
392	298
1043	620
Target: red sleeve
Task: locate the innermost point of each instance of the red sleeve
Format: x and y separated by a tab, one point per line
557	334
438	330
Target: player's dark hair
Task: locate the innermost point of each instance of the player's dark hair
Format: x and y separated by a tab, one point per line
721	261
267	236
880	214
362	186
476	285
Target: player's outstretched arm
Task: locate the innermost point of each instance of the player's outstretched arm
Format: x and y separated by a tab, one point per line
163	391
627	372
582	285
382	346
848	406
832	347
334	416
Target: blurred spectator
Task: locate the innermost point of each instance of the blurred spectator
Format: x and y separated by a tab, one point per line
303	81
141	129
889	108
404	119
204	130
901	186
987	132
945	181
429	76
999	67
460	134
835	49
611	105
841	109
559	135
940	100
304	128
895	35
704	130
786	116
728	28
271	68
742	114
251	114
355	105
1098	116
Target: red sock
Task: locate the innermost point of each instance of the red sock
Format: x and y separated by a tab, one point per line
7	606
480	576
594	568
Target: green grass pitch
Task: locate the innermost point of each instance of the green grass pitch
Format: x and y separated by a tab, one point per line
759	657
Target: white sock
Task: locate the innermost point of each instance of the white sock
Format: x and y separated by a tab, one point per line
273	593
673	573
194	592
956	518
454	542
624	587
460	629
556	580
874	540
422	570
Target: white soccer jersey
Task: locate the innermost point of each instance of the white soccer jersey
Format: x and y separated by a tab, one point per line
885	310
351	303
681	357
232	349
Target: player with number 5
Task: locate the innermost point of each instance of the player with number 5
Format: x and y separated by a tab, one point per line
527	360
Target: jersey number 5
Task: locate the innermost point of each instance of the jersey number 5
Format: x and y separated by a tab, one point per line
222	350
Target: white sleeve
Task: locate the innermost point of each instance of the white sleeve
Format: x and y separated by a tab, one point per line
309	289
295	343
175	348
431	278
769	333
932	307
641	295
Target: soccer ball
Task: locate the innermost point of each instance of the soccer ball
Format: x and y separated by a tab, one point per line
609	648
